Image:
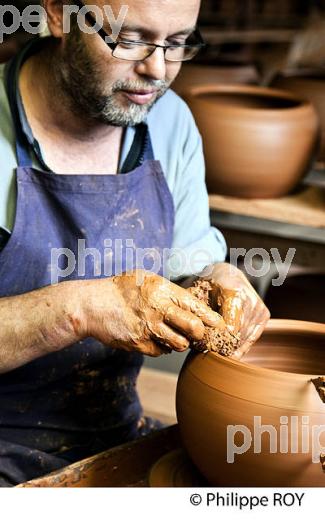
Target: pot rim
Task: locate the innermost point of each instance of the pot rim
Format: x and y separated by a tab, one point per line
272	93
274	325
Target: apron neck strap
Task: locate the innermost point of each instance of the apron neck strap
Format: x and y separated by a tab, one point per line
140	151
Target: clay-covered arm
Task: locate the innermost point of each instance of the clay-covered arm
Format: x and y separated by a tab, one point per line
137	311
37	323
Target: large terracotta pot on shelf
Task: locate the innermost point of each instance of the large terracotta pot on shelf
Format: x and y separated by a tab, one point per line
197	74
309	85
277	381
258	142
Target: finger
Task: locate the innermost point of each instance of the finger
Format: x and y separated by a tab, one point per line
186	301
152	349
233	306
256	322
254	332
186	322
169	338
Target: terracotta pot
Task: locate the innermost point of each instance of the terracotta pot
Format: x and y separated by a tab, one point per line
272	383
192	75
309	85
258	142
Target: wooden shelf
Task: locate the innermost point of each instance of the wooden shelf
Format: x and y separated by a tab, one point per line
217	37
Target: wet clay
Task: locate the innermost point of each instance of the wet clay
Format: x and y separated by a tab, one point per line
219	339
158	303
322	461
272	381
320	387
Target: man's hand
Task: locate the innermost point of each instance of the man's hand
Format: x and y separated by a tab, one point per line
238	303
142	312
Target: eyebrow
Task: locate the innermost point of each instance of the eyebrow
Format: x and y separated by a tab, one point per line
146	31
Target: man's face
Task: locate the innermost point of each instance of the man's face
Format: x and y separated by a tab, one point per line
119	92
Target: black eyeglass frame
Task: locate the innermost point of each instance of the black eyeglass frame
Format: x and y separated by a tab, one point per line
113	45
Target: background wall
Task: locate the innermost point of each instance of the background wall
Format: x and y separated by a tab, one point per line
257	13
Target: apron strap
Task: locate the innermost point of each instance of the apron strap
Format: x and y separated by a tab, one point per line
140	151
148	153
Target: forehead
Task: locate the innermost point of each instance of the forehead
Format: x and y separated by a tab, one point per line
156	16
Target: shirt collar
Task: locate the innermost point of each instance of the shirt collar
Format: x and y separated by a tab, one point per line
32	47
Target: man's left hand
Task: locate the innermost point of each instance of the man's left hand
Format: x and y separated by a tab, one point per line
240	306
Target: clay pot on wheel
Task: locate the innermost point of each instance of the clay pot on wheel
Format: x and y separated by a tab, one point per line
272	386
258	142
309	85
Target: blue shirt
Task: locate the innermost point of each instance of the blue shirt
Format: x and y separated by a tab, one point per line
176	143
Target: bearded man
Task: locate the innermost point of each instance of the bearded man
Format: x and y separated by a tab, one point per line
96	151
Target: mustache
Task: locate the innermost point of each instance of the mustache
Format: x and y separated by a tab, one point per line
158	84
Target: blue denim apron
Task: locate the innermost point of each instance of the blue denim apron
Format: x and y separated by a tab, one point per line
79	401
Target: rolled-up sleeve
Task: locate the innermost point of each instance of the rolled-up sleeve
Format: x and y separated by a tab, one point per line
196	244
177	144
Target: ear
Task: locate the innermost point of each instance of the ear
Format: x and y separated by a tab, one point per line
54	10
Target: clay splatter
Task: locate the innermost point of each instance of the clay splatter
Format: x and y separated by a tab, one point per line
320	387
322	461
201	290
219	340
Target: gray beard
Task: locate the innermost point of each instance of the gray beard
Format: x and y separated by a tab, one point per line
86	100
108	110
79	80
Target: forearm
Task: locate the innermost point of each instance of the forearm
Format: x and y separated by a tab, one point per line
38	323
119	312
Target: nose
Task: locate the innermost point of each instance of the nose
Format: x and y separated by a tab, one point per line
153	67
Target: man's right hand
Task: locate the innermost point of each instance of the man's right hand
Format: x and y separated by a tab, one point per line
143	312
152	317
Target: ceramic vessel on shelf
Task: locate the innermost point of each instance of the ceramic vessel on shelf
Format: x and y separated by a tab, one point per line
309	84
223	403
258	142
197	74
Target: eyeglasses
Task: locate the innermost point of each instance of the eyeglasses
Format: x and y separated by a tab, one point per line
130	50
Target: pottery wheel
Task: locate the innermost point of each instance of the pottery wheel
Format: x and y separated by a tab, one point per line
175	470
